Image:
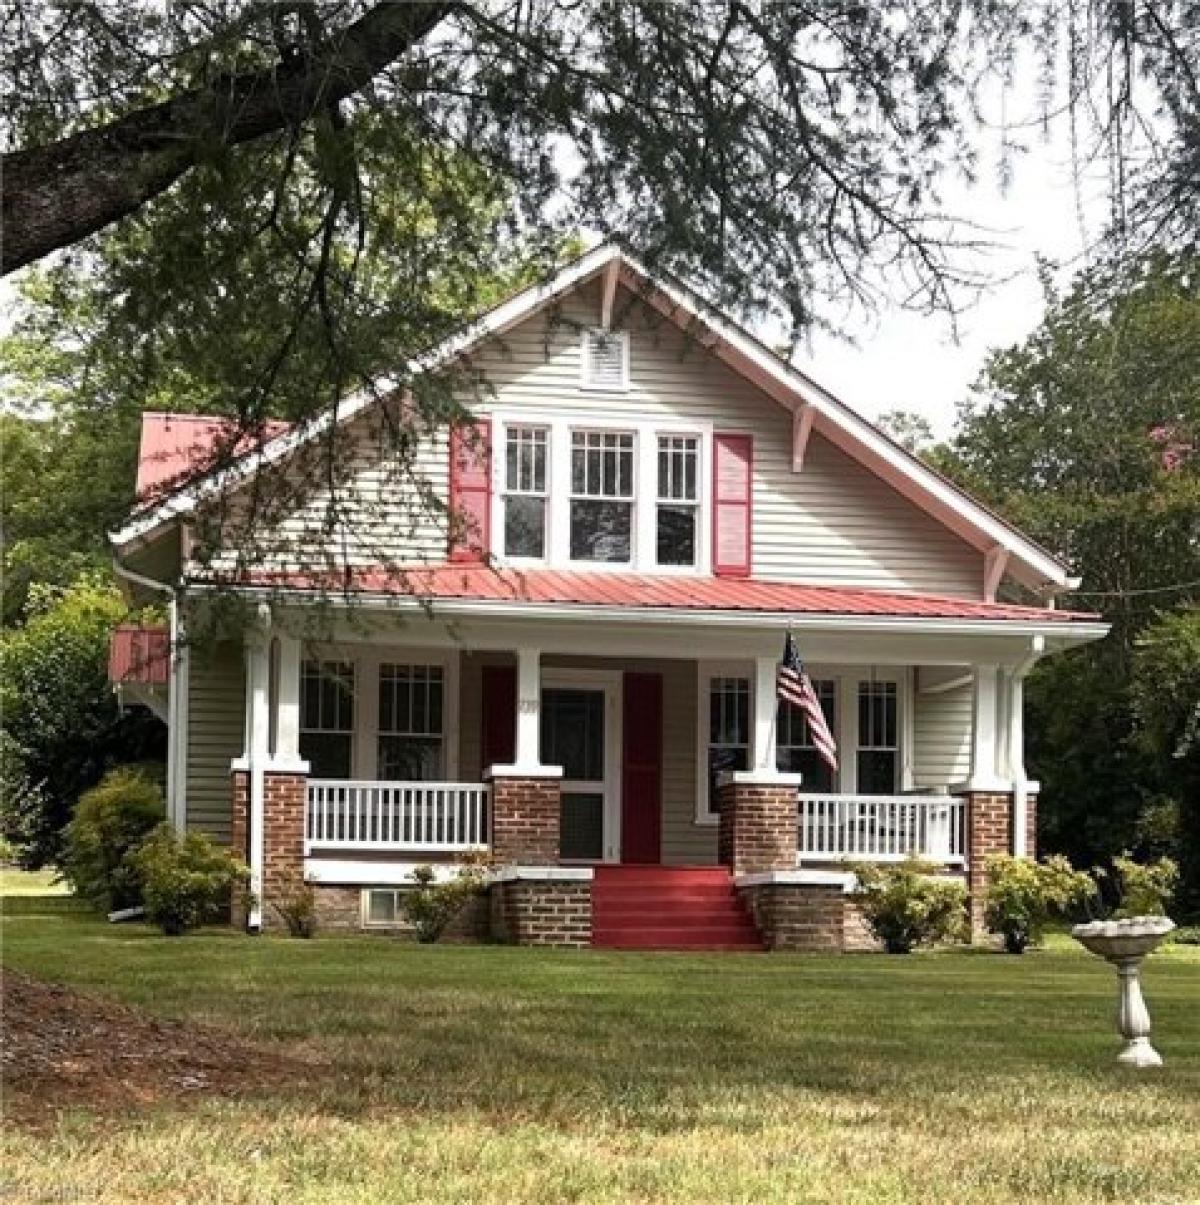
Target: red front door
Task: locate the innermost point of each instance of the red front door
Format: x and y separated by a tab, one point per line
641	768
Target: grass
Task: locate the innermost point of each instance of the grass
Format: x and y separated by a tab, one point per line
485	1073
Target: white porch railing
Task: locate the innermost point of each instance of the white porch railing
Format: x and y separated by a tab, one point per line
881	828
411	816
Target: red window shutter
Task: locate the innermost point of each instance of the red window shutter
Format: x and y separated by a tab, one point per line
470	490
733	457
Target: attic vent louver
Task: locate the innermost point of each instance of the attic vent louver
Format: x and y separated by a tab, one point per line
605	360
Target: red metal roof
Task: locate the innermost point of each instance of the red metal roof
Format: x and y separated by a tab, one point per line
140	654
661	591
174	444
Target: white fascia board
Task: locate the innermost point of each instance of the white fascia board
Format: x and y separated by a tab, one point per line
840	416
494	322
495	608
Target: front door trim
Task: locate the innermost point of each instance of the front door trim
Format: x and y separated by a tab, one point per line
609	682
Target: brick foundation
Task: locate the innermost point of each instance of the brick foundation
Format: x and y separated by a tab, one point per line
525	820
339	910
809	917
530	913
757	828
989	832
283	833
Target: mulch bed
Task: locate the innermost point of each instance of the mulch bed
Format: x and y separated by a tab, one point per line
68	1049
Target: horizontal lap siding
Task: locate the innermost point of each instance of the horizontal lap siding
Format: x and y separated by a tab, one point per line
216	724
942	738
833	523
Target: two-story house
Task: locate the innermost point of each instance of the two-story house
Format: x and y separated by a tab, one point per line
581	682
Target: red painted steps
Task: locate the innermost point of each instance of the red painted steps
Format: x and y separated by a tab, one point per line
669	908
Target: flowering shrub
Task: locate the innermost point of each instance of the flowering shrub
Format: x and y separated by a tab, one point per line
1024	894
907	905
1144	889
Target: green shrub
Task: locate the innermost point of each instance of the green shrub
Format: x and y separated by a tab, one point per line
297	905
186	880
1023	895
110	821
1144	889
431	906
1185	935
906	905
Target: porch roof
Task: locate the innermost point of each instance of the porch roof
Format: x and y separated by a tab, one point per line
652	592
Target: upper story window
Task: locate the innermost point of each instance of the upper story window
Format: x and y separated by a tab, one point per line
605	360
602	496
878	766
678	504
795	752
327	717
525	492
410	722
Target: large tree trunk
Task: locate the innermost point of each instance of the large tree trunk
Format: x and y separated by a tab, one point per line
57	194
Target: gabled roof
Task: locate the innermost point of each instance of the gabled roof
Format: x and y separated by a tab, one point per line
812	406
174	446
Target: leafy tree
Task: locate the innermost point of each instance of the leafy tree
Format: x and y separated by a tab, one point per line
1085	435
907	428
61	723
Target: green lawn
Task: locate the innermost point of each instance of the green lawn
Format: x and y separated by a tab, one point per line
493	1074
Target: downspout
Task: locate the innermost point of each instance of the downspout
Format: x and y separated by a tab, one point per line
1016	744
176	761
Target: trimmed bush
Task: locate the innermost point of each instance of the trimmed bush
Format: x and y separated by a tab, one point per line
1144	889
1023	895
111	820
431	906
907	905
186	881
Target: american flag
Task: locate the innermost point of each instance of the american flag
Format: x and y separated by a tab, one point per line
794	686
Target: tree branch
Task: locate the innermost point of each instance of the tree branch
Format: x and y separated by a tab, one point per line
57	194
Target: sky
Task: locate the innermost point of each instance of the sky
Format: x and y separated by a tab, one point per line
905	361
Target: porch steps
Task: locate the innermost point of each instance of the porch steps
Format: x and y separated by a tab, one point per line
669	908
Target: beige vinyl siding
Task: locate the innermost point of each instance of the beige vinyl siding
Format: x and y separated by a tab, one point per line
683	841
216	725
942	737
833	523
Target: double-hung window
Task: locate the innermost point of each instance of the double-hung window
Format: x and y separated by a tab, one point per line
678	500
795	752
410	722
525	491
878	738
327	717
728	729
602	496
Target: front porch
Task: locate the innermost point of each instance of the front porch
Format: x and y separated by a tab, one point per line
367	757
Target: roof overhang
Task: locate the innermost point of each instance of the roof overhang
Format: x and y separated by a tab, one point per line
1026	560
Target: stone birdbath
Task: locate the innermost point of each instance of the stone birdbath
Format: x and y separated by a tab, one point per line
1125	943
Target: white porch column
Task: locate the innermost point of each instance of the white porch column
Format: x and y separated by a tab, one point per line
287	720
529	708
258	730
1016	763
765	707
985	732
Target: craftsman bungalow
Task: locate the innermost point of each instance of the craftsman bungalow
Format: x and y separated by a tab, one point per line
581	684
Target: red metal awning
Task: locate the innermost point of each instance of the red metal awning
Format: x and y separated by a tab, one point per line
140	654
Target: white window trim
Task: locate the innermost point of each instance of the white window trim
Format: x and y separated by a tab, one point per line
365	909
324	656
500	490
367	660
847	678
561	424
621	337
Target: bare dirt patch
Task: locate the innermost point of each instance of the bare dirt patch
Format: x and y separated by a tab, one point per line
68	1049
